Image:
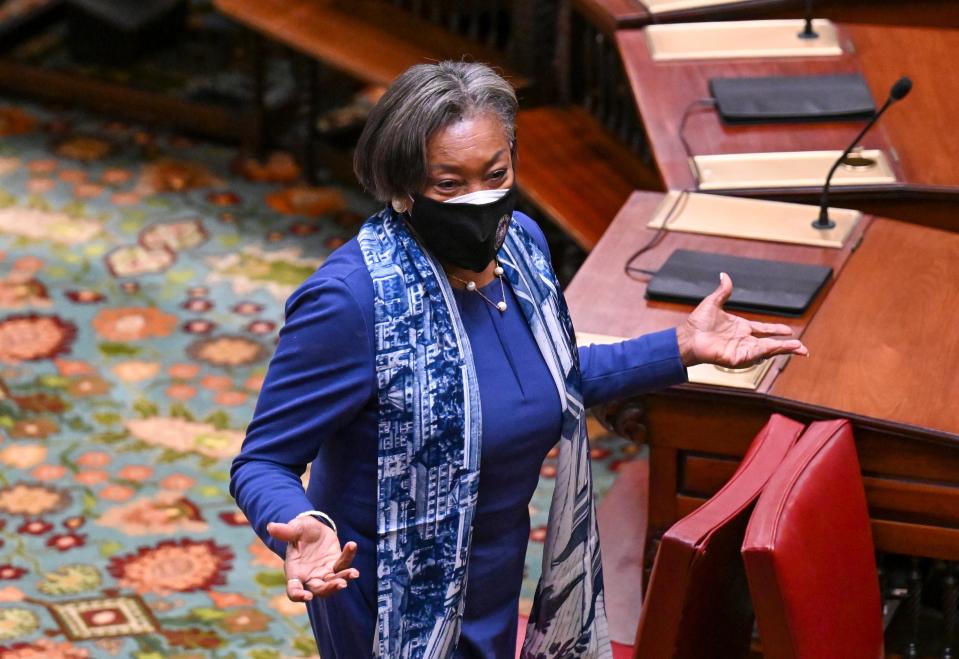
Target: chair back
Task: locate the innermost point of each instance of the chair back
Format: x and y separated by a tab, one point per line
809	555
697	604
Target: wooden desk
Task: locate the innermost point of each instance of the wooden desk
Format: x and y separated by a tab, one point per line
619	14
604	300
917	129
370	41
884	352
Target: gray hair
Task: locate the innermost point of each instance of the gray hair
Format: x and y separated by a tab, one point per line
390	159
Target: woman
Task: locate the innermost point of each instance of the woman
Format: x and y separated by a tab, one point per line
431	350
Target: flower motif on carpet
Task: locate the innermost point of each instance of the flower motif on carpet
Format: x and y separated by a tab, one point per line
23	456
17	293
70	579
32	499
35	224
31	337
133	260
173	566
85	148
186	436
44	648
85	296
307	200
10	572
135	370
172	175
133	323
15	622
175	236
227	351
279	271
167	513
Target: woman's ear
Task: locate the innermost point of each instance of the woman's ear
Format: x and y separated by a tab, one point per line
400	205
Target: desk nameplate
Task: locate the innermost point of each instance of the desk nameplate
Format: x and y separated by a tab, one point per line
740	378
753	219
790	169
739	39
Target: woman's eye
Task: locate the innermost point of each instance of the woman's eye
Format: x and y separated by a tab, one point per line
498	174
447	185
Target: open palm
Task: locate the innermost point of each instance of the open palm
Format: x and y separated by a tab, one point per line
315	564
710	335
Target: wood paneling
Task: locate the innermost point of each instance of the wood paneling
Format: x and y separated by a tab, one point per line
574	171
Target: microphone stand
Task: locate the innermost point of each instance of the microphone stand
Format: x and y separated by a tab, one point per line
823	221
808	32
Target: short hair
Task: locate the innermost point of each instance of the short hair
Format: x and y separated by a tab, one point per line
390	159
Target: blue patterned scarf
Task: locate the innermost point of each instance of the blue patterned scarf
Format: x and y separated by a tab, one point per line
430	429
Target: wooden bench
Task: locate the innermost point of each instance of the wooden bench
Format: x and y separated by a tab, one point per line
371	41
575	171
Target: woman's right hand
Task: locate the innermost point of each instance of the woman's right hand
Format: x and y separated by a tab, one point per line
315	564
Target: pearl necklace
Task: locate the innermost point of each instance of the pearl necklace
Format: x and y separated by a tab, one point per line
471	286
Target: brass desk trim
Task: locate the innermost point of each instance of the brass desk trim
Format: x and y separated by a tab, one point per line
753	219
738	39
788	169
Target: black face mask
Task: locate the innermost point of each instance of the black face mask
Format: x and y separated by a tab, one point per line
464	235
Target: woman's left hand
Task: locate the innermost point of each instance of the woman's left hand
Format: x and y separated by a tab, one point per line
710	335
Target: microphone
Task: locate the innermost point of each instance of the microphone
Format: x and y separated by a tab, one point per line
808	32
899	90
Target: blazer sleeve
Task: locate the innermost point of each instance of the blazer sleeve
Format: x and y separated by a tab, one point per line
629	368
319	379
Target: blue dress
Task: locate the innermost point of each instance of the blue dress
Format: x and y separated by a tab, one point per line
319	404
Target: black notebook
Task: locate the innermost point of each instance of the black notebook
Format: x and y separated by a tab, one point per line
772	287
792	98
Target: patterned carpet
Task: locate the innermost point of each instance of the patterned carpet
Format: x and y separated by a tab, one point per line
142	281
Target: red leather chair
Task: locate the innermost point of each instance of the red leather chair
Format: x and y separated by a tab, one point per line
697	605
809	554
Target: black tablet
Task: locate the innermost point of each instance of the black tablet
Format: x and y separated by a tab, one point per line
792	98
771	287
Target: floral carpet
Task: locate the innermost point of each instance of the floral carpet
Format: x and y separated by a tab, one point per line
142	282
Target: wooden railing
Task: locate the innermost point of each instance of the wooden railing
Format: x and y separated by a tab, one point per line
484	21
523	31
591	74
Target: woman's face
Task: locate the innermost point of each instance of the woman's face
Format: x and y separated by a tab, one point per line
470	155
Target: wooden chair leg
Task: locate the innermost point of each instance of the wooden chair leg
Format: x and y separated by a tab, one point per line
950	600
913	606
